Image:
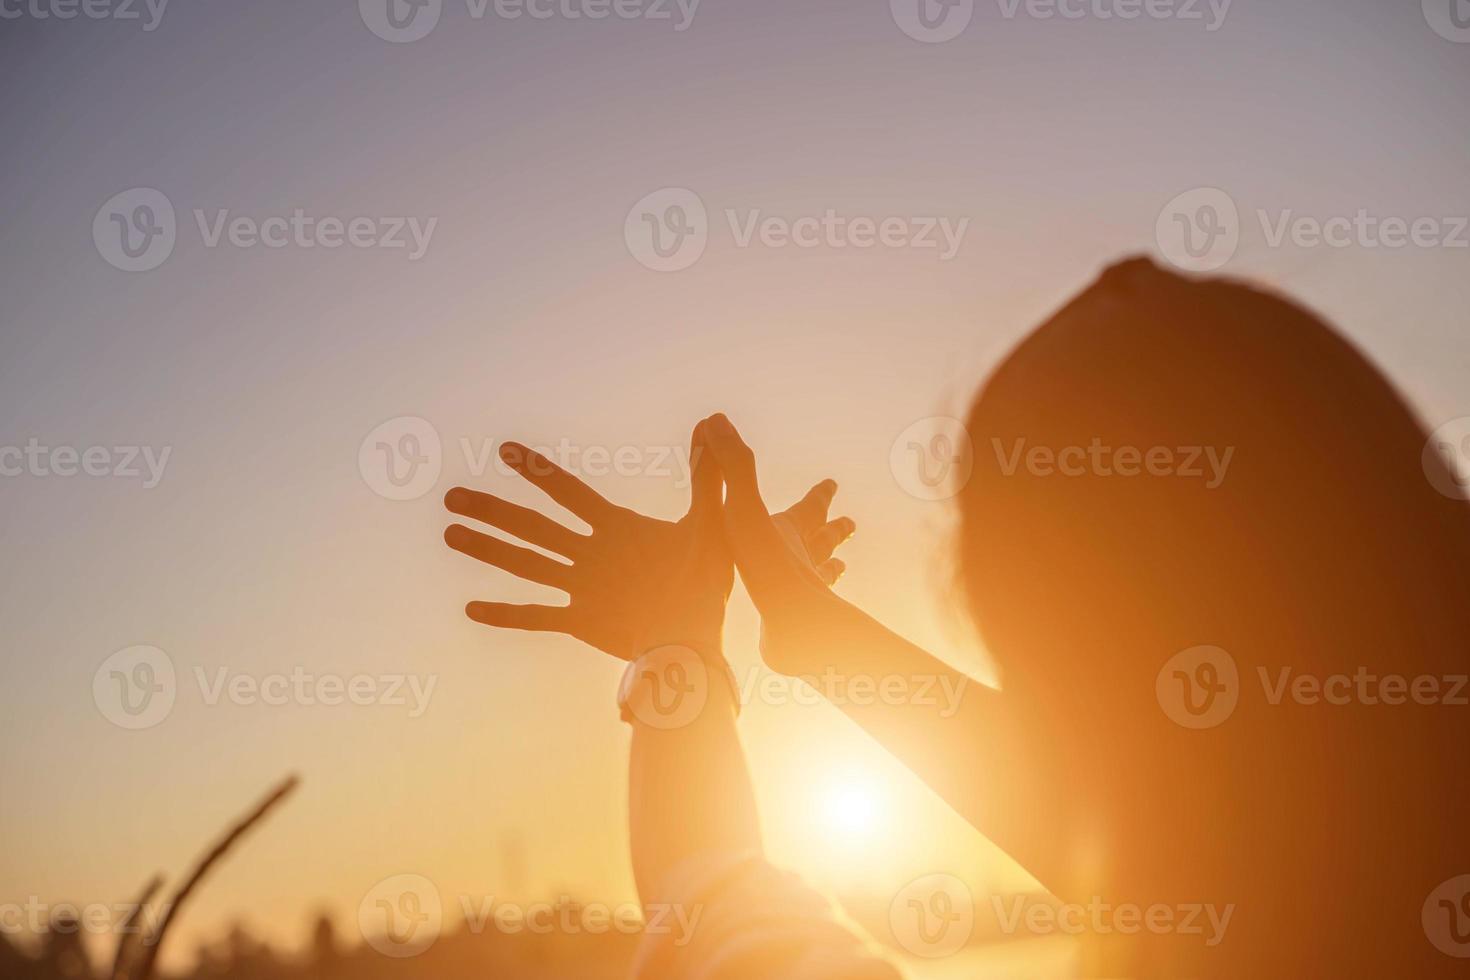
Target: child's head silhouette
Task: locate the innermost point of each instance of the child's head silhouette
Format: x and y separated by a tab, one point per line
1169	464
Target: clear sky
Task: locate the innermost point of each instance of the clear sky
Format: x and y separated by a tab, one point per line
263	549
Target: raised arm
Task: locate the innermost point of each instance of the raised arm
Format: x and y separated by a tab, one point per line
999	770
689	789
637	584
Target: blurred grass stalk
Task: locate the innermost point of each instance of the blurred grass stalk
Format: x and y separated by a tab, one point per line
136	960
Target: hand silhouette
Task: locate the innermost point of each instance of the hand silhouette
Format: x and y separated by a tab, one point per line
788	588
634	581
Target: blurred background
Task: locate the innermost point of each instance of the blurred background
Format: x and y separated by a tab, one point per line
262	423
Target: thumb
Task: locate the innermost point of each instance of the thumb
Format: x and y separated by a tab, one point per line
705	482
737	463
765	562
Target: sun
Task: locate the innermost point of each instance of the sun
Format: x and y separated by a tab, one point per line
852	808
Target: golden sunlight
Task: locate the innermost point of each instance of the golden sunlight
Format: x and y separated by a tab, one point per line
852	807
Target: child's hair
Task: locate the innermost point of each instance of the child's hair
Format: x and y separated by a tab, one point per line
1169	464
1289	487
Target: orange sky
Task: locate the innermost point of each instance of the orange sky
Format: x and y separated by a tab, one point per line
263	551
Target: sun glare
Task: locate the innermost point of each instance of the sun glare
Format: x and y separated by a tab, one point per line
851	808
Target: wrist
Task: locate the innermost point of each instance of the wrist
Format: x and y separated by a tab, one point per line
672	685
706	642
700	629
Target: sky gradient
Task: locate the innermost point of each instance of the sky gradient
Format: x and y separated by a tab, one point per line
263	549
